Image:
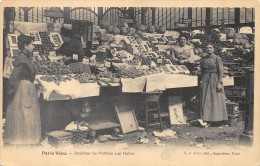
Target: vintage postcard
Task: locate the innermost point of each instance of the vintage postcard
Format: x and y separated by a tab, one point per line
129	82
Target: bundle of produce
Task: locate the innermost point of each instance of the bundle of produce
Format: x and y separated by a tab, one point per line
215	36
51	68
156	27
123	24
152	70
228	31
56	78
123	31
79	67
140	27
135	35
85	78
107	77
227	44
236	60
129	72
146	60
161	29
150	29
132	72
103	24
109	29
123	55
130	31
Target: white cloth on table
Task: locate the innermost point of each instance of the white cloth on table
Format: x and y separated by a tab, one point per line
180	81
72	88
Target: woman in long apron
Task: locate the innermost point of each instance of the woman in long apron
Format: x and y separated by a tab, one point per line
23	124
213	106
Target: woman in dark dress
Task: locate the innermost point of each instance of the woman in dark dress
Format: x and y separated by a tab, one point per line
23	124
213	105
71	48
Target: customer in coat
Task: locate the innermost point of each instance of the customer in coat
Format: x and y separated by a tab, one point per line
212	103
23	123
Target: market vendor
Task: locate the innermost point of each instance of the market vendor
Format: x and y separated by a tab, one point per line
71	48
182	53
212	101
23	123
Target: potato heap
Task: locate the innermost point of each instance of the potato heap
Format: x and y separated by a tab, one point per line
52	68
152	70
85	78
129	72
132	72
56	78
107	76
80	68
146	60
46	67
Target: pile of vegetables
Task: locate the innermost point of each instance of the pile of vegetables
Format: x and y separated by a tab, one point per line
107	77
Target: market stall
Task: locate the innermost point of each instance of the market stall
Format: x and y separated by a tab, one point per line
136	59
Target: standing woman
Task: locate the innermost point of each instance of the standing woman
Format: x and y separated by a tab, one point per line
213	106
23	124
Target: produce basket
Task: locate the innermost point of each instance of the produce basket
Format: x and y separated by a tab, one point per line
80	137
231	107
59	138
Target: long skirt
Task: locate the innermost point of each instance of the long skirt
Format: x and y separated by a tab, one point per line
212	103
23	124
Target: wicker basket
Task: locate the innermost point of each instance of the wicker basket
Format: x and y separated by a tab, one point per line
80	137
59	138
231	108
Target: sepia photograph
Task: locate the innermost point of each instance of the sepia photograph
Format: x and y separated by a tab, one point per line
108	85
